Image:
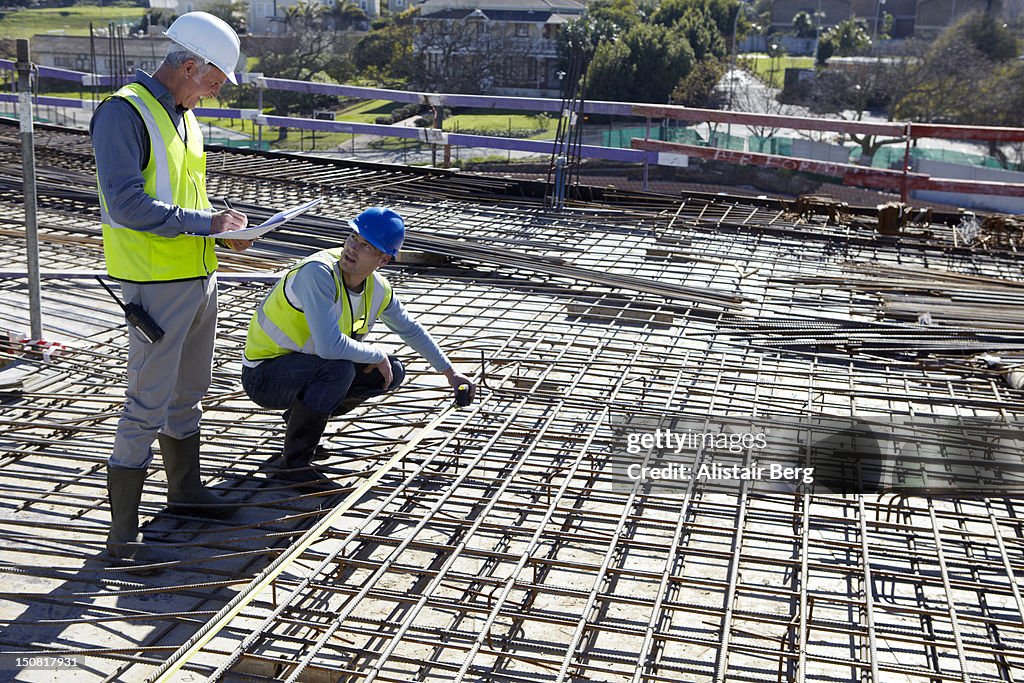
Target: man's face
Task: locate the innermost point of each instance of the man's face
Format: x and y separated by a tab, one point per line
359	258
195	86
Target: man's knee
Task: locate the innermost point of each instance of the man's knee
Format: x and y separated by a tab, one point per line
397	373
336	371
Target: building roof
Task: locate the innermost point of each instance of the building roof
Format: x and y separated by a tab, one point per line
132	41
517	16
563	6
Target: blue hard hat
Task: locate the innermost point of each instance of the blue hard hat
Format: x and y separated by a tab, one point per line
383	228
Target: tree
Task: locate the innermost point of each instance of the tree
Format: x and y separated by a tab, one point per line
885	32
591	30
156	17
640	60
661	58
465	55
621	15
612	72
603	22
994	39
701	31
235	14
645	65
385	54
307	51
346	15
698	88
803	25
763	98
941	81
848	37
721	12
965	76
853	91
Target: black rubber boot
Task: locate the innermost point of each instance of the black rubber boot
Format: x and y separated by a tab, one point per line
124	542
350	403
185	491
305	428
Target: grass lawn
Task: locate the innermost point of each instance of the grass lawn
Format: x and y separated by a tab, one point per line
368	111
772	71
395	144
74	21
363	112
246	127
496	122
304	140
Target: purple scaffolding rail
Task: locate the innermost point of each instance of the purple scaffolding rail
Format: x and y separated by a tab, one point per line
426	135
661	156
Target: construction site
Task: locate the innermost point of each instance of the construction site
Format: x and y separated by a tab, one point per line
506	540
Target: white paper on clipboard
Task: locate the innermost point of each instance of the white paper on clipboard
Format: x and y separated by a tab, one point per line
275	221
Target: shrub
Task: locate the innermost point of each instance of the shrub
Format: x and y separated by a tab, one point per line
404	112
503	132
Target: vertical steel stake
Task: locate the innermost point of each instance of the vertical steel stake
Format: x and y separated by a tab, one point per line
259	106
28	164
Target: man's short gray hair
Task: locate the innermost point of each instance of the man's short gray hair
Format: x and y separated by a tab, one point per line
177	56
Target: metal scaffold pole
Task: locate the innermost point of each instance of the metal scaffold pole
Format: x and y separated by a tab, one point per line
24	67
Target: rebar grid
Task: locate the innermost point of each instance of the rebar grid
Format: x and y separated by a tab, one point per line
503	549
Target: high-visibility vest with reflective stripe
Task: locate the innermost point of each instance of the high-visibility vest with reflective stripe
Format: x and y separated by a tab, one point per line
175	174
279	325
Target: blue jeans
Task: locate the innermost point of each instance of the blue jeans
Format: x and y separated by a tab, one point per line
326	387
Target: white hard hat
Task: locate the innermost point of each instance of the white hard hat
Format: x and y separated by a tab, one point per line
209	37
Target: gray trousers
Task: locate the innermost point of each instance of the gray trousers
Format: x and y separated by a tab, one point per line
166	380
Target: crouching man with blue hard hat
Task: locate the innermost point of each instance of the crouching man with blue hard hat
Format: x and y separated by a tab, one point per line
305	353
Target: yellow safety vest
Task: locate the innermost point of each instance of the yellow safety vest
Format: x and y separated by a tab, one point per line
279	325
175	174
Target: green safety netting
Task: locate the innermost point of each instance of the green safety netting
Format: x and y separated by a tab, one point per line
771	145
241	143
892	157
620	137
736	143
886	157
686	136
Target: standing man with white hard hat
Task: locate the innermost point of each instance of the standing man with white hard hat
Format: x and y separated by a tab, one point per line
305	354
158	229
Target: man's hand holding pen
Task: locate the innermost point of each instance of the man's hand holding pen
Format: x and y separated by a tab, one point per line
228	220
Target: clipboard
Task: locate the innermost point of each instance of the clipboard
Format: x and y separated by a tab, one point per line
275	221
